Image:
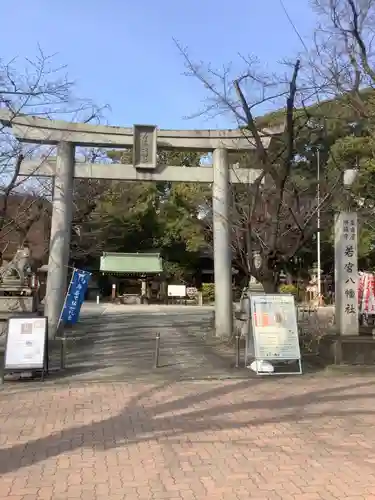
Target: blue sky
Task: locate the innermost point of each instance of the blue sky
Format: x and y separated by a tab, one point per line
121	52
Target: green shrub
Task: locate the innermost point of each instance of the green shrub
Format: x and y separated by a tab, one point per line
208	292
292	289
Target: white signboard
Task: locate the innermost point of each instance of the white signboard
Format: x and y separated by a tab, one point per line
26	343
176	290
274	326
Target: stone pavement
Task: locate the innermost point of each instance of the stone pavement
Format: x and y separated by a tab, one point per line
301	438
118	343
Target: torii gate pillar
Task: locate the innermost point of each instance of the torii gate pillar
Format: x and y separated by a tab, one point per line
222	244
62	206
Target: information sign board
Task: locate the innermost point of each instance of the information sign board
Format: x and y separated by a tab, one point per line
177	291
26	345
274	329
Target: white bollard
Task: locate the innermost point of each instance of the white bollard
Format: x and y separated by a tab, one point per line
97	299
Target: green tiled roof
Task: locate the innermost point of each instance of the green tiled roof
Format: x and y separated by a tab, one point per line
141	263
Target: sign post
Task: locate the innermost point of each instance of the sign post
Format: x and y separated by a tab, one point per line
26	347
177	292
346	273
72	305
273	336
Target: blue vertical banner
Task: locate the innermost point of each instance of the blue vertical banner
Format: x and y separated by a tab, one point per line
75	296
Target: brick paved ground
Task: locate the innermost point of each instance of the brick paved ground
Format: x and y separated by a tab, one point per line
296	438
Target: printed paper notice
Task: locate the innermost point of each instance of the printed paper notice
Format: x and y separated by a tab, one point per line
275	328
25	343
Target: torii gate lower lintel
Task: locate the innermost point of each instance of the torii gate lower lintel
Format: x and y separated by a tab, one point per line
144	139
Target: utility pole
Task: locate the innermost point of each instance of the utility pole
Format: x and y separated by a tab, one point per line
319	282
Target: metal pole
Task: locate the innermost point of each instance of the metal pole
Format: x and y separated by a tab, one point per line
66	298
63	336
62	353
318	228
157	350
238	350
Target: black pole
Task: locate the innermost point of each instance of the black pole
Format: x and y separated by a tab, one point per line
157	350
238	350
62	353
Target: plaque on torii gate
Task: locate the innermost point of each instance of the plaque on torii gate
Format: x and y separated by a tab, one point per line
145	147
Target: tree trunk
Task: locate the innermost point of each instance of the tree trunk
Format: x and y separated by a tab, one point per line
270	286
269	279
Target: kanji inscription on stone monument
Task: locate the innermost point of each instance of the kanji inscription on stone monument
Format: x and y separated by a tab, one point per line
145	146
346	273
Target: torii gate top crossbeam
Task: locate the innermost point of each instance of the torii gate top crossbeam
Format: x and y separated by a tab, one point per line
38	130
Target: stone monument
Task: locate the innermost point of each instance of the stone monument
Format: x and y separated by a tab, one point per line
346	273
254	285
16	293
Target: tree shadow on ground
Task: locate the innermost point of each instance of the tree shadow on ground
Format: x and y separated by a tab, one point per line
126	344
140	422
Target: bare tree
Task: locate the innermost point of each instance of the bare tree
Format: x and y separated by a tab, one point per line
276	215
341	65
341	62
41	88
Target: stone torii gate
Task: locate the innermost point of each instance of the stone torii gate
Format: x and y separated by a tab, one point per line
144	139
